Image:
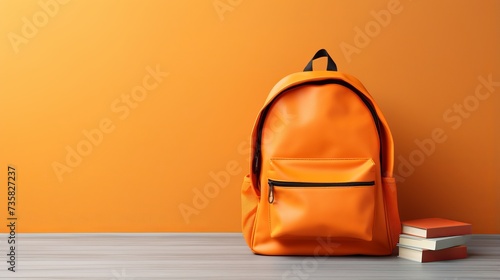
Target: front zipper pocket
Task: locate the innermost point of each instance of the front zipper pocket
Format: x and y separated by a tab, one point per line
273	183
321	198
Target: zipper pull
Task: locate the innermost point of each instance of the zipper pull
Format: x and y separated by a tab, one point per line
270	198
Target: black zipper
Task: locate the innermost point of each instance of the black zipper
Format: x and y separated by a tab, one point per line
273	183
366	101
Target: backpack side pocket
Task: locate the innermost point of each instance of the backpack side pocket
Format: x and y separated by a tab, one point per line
249	203
391	206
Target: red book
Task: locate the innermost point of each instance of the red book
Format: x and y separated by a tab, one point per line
423	255
435	227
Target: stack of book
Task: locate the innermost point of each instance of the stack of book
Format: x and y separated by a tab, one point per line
433	239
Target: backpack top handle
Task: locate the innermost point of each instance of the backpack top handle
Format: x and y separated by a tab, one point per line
331	66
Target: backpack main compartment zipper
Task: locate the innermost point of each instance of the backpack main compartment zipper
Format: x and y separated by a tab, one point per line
273	183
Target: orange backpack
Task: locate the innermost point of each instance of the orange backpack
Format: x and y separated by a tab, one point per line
321	176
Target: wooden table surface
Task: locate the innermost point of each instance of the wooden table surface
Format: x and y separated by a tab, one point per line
218	256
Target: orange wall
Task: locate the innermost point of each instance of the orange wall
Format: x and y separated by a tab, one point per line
167	92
